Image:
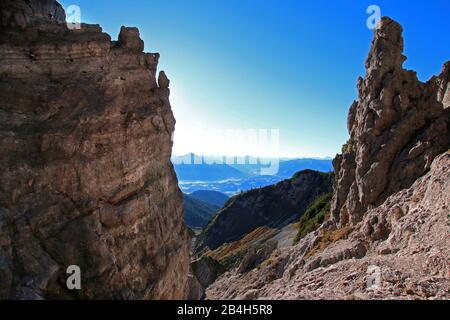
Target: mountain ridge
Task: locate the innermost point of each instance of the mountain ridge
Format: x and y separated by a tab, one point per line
272	206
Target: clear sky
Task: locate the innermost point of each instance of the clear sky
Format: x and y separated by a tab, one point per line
269	64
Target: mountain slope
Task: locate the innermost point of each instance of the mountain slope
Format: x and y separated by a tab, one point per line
273	206
197	213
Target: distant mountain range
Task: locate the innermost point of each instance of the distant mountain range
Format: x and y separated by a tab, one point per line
290	167
207	172
194	173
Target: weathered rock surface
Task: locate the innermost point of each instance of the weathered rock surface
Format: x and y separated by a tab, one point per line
21	14
274	206
130	38
86	179
256	255
406	239
252	247
206	270
397	127
387	237
194	289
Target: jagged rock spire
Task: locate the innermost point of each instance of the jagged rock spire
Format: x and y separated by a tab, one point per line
397	126
387	47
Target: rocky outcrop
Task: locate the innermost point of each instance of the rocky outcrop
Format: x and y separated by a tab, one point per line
405	240
387	237
86	179
206	270
194	290
274	206
254	248
130	38
397	127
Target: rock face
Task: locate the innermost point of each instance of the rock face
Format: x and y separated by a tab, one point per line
387	237
86	179
405	240
206	270
130	38
273	206
397	127
21	14
197	213
194	290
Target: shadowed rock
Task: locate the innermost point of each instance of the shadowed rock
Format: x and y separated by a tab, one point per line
206	270
21	13
86	179
129	38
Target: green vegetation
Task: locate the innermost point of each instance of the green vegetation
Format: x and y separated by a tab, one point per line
314	216
232	261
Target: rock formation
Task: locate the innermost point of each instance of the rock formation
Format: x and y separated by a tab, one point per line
387	237
405	240
206	270
273	206
397	127
86	179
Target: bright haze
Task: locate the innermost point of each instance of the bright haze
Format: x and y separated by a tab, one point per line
285	65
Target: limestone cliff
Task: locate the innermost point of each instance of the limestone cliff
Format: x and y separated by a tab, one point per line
387	237
86	179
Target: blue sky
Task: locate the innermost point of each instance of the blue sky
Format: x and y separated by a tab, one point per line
269	64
